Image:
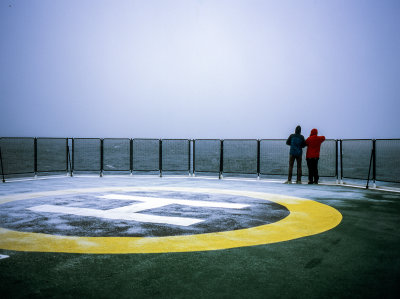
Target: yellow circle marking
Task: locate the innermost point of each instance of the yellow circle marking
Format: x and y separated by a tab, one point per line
306	218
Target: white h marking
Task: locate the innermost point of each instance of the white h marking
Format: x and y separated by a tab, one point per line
130	212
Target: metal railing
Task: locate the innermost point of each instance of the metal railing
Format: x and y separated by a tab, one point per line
360	159
370	159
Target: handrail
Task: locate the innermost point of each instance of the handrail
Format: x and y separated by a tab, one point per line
344	158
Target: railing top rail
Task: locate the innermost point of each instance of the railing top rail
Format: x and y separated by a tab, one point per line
117	138
63	138
360	139
177	139
383	139
44	137
281	139
239	139
5	137
146	139
207	139
277	139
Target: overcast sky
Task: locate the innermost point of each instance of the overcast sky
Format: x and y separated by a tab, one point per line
199	69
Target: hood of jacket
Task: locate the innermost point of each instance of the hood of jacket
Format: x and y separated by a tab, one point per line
314	132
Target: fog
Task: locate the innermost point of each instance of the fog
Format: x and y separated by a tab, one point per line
199	69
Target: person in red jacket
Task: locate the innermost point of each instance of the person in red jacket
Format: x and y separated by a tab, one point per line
312	156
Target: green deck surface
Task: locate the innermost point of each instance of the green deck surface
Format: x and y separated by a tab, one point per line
360	258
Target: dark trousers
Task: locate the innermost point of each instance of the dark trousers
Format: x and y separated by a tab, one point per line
291	162
312	164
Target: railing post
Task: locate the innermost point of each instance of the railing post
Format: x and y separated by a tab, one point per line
66	154
73	157
221	160
101	156
189	156
69	161
337	161
194	157
160	157
35	156
341	161
258	158
370	163
374	163
131	155
2	169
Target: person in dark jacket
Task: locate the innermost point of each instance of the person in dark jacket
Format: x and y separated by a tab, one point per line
296	142
312	156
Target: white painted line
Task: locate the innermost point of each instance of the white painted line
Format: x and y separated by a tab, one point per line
2	256
185	202
130	212
110	214
134	208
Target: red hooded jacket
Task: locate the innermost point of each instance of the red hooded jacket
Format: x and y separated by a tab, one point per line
314	144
